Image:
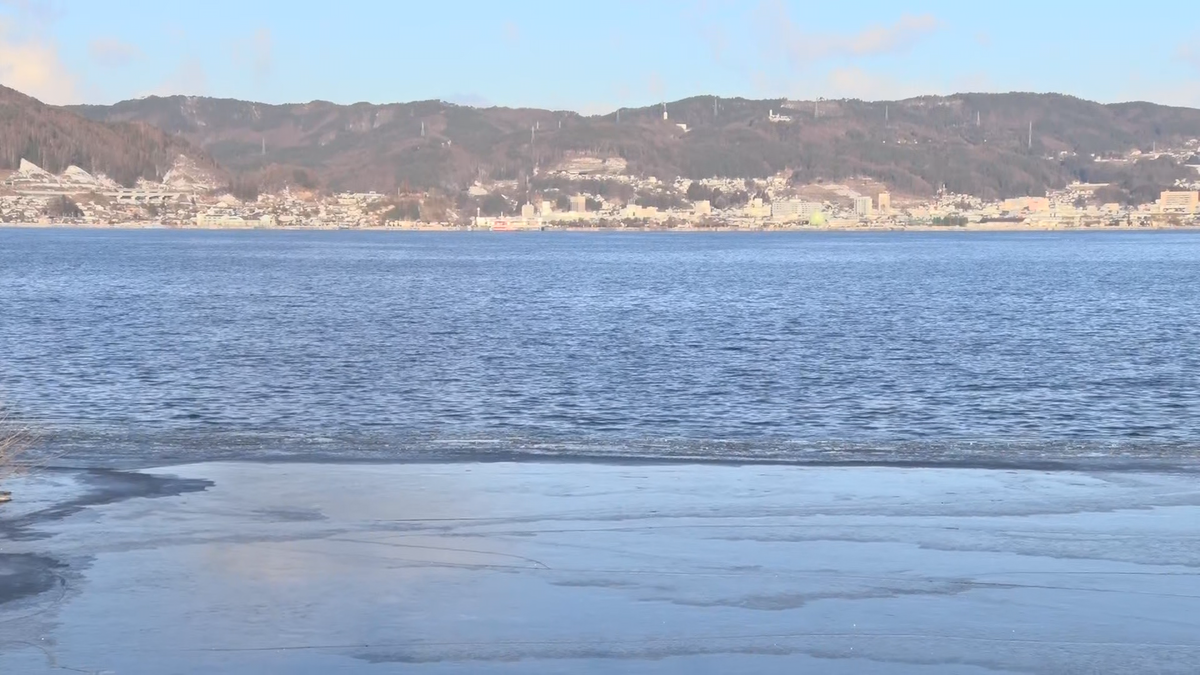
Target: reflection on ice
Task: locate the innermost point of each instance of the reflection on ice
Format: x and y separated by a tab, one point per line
528	568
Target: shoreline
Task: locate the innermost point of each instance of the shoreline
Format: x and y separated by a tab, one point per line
639	230
1115	464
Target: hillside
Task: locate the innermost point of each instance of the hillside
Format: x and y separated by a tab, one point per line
56	139
971	143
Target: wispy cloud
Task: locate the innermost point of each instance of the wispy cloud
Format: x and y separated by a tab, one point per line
885	39
32	65
113	52
803	47
256	54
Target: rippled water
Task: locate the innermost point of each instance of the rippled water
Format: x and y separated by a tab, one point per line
1006	348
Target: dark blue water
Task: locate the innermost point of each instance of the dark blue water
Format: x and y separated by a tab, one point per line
1008	348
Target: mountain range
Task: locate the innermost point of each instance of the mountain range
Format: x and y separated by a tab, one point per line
990	145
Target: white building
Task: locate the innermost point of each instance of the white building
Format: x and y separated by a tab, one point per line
218	217
794	209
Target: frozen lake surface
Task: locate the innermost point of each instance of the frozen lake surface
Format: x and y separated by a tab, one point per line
559	567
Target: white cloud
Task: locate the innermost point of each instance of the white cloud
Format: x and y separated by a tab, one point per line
32	65
113	52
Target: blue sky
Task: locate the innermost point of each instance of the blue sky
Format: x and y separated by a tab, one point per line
595	56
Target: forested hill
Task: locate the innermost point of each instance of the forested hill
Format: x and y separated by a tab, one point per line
970	143
55	139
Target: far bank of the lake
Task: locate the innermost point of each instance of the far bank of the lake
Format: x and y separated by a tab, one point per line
976	227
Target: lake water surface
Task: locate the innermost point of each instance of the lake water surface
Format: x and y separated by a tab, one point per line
1020	349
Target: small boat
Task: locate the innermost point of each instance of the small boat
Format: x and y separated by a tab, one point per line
5	497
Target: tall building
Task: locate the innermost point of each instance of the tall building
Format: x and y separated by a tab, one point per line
528	210
862	206
578	204
1179	201
884	203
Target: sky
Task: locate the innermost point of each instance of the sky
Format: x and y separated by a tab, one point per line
594	57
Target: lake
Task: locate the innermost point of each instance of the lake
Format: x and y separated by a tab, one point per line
133	348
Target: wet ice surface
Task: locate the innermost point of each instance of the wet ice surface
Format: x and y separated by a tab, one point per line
547	568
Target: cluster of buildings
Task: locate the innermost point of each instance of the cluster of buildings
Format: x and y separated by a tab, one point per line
288	209
1060	210
189	197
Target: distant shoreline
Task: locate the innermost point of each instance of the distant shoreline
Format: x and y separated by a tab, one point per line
647	230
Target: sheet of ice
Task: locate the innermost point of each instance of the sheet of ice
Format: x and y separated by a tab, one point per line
540	568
